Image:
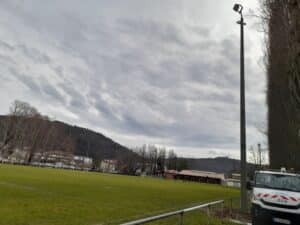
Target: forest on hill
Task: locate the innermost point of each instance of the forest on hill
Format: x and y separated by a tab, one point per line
25	128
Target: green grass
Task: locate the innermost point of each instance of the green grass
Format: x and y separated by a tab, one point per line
45	196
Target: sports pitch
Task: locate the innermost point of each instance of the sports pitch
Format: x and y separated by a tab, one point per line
45	196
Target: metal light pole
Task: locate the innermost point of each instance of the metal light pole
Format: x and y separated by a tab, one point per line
239	8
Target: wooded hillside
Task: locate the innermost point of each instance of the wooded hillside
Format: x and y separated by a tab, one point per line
25	128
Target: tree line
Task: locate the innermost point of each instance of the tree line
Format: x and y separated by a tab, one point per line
27	129
155	160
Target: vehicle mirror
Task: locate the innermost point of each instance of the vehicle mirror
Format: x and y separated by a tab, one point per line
249	185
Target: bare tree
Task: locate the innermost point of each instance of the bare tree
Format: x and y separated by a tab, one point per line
257	156
23	109
172	160
14	127
152	154
25	128
161	160
143	154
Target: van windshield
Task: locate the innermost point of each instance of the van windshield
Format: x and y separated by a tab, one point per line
278	181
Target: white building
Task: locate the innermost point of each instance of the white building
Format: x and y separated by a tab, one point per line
108	165
232	183
83	162
18	156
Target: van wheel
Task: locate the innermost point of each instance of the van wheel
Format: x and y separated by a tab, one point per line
255	221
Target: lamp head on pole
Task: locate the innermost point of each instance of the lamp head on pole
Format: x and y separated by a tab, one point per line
238	8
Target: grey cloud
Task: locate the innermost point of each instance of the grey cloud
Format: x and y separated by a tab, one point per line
104	108
159	78
7	46
226	98
7	60
163	77
153	31
203	31
51	91
149	98
133	125
213	153
216	72
35	54
59	70
222	70
230	49
28	81
38	86
78	101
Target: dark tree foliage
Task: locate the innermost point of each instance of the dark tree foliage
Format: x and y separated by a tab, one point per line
92	144
283	95
41	134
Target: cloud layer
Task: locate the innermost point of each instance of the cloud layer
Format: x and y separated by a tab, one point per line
138	73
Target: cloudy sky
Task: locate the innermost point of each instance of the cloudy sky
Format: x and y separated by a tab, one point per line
151	71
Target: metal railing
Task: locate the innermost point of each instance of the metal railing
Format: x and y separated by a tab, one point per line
173	213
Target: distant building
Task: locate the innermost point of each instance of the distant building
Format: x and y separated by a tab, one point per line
170	174
233	181
83	162
236	176
17	157
196	176
61	159
109	165
144	169
58	159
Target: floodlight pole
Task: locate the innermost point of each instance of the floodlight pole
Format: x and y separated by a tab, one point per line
244	202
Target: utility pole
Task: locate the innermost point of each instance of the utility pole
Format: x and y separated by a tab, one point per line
259	155
239	8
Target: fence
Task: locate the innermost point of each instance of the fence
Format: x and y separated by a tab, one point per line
173	213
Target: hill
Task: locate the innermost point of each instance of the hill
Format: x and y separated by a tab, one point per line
55	135
94	144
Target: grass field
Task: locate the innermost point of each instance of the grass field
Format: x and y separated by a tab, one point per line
44	196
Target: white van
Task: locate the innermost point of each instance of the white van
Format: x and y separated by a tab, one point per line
276	198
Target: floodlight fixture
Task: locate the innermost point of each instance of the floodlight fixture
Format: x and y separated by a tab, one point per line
238	8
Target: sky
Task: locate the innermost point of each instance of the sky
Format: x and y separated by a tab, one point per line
141	72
